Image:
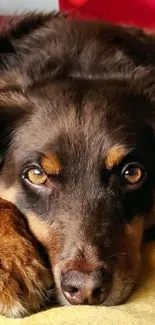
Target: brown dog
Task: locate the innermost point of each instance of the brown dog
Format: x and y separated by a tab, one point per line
77	144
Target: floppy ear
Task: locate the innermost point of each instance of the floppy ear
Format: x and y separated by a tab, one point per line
14	35
16	42
13	107
22	51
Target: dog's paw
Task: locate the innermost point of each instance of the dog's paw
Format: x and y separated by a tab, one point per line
24	279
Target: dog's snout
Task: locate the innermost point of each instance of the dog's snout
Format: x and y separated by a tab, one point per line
85	288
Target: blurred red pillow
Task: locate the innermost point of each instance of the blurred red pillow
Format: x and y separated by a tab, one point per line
131	12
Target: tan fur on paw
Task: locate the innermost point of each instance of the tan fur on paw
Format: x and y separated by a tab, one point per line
24	279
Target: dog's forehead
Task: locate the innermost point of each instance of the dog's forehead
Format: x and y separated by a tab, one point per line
74	115
89	104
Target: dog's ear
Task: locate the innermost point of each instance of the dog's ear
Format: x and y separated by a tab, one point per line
16	32
22	51
13	108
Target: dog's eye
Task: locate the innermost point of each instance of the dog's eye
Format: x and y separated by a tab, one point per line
133	174
36	176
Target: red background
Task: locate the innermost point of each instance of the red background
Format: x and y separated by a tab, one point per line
134	12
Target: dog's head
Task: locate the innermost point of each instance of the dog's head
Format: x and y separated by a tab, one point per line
78	161
77	156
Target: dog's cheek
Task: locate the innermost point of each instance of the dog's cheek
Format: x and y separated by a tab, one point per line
133	241
134	231
47	234
9	194
150	218
39	228
129	257
127	262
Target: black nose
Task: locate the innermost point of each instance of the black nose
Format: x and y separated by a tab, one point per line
85	288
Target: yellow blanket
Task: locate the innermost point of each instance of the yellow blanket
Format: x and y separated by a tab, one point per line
139	310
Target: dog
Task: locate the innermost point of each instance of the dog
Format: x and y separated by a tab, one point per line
77	139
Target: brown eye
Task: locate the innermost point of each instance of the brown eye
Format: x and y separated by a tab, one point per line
36	176
133	174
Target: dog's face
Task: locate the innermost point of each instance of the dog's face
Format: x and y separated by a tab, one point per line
80	166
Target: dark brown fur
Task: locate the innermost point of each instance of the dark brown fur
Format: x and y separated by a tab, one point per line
78	91
81	49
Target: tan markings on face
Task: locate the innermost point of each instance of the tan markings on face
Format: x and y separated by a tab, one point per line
39	228
9	194
150	218
115	155
132	246
48	235
50	164
128	261
134	232
54	246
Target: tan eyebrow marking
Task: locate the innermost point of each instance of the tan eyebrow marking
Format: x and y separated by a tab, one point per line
115	155
50	164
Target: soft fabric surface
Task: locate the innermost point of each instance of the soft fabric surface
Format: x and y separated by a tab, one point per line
139	310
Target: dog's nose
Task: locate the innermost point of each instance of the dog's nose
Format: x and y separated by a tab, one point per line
85	288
